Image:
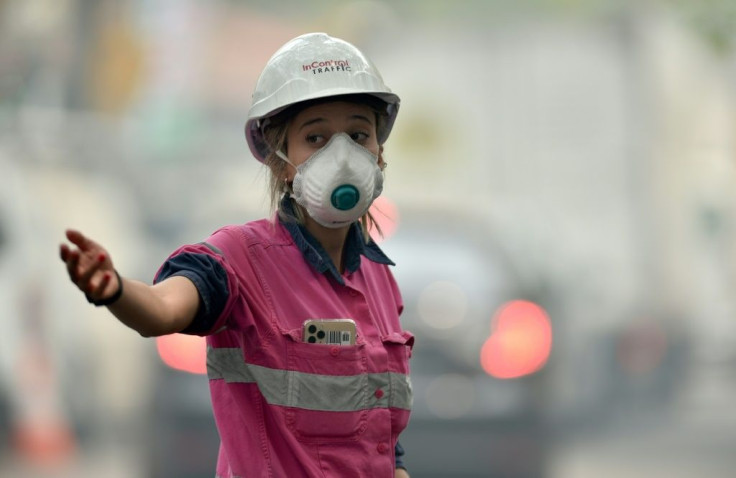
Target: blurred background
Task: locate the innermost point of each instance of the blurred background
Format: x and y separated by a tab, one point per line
560	203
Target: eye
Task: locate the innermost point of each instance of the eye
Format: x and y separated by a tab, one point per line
315	138
359	137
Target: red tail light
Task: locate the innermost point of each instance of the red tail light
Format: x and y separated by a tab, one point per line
183	352
520	342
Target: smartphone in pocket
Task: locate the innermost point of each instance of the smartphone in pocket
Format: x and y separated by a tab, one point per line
330	331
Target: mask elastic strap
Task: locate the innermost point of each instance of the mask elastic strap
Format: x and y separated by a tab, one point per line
283	156
286	187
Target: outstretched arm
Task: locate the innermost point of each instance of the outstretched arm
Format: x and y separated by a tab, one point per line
161	309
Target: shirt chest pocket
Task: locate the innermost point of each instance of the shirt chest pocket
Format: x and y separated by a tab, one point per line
328	391
398	347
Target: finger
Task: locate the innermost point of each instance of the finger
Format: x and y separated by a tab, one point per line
64	252
72	264
80	240
104	260
89	270
98	291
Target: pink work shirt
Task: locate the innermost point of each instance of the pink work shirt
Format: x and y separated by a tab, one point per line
287	408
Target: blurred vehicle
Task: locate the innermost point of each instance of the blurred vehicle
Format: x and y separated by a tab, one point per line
481	343
182	439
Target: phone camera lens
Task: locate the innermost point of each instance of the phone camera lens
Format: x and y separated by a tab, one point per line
321	334
311	339
312	329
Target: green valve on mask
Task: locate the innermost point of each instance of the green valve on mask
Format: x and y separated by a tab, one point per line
345	197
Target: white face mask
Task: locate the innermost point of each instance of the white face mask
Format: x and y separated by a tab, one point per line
338	183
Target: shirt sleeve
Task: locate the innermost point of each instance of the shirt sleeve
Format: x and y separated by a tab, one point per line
399	454
205	267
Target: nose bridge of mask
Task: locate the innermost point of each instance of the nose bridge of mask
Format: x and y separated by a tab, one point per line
340	144
345	147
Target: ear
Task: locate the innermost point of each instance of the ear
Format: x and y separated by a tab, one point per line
288	174
283	170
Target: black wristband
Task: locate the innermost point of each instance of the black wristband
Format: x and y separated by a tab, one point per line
112	298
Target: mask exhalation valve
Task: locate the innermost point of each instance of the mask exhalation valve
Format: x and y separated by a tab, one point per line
345	197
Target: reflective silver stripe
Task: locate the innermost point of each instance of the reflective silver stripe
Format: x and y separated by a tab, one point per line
310	391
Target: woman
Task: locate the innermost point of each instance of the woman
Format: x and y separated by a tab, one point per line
307	361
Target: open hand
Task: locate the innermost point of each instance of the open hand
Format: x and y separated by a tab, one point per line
89	267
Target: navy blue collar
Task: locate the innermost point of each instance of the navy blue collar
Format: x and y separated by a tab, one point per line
317	256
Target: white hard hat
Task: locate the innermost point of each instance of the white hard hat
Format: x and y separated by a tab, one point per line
308	67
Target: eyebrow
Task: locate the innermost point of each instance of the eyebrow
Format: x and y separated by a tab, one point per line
362	118
309	122
320	119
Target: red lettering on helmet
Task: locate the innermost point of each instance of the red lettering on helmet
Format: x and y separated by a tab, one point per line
326	64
